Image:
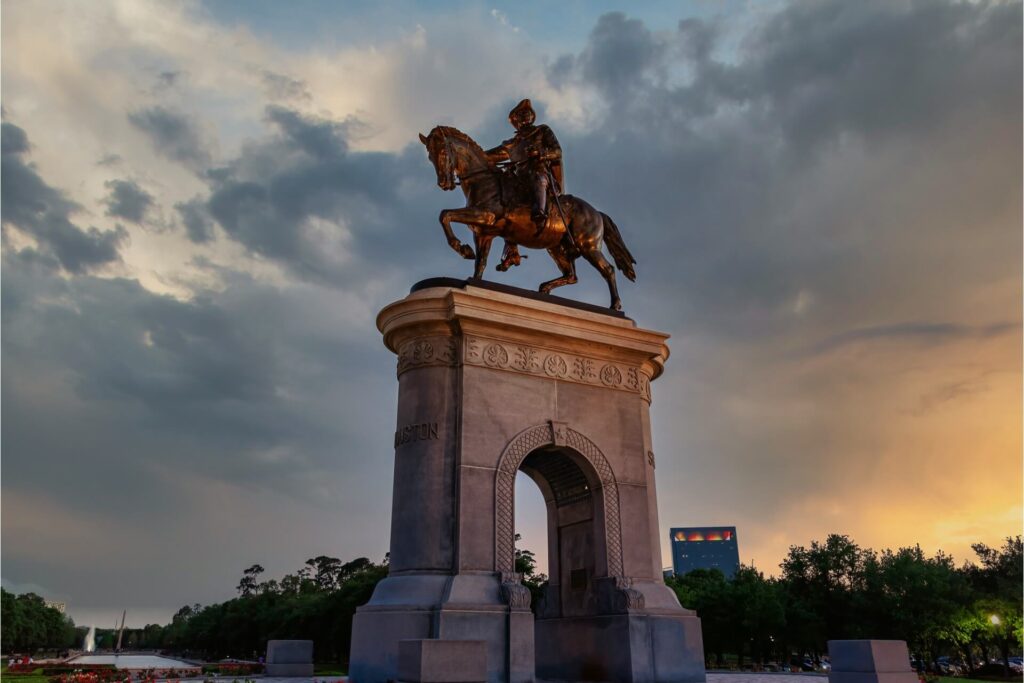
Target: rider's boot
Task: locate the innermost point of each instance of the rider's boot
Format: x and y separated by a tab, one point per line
540	220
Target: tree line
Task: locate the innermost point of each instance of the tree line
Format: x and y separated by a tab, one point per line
837	590
315	603
29	625
829	590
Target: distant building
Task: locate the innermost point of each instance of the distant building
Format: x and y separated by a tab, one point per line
704	547
56	604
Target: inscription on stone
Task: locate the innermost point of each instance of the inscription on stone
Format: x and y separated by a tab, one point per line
423	431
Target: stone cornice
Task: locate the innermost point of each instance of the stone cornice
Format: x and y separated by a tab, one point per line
512	322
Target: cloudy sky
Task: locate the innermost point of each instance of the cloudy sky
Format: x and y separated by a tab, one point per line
205	204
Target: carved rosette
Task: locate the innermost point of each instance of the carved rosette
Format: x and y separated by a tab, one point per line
559	434
437	351
559	365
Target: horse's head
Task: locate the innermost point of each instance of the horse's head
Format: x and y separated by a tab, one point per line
442	156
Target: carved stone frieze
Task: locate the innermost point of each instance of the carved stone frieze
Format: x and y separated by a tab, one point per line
561	365
423	352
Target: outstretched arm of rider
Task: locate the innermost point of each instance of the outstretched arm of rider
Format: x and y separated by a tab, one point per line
497	154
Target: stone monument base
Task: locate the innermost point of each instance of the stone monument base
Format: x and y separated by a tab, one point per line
425	606
493	382
620	647
290	658
442	661
870	661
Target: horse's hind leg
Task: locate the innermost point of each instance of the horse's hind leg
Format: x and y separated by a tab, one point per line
607	270
483	248
566	265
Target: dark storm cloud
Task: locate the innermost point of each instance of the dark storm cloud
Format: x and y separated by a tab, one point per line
619	55
173	134
215	380
14	140
301	197
849	167
722	161
36	208
198	225
128	200
253	391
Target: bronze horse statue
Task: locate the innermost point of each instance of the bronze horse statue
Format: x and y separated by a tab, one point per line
497	206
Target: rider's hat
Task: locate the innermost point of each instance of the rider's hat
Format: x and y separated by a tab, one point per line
523	107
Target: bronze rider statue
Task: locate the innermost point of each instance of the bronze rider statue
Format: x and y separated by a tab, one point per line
536	158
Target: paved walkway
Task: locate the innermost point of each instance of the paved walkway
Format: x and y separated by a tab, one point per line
763	677
713	677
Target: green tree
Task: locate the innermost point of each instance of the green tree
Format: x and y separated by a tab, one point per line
29	625
526	565
708	593
820	585
757	614
250	581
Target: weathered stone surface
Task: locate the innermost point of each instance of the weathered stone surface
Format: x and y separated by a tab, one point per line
491	383
289	658
442	661
870	661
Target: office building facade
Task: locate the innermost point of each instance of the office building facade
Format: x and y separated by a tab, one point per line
704	547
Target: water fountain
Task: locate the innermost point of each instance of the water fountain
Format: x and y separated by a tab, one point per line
90	640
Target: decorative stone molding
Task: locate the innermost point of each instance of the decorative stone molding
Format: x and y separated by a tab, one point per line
417	353
559	365
527	441
513	592
627	597
617	595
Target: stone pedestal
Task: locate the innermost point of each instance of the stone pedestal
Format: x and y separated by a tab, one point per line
287	658
442	661
870	661
492	382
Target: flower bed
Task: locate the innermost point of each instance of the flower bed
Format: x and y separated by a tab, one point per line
233	669
109	674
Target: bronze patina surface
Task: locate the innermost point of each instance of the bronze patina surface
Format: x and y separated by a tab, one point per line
509	190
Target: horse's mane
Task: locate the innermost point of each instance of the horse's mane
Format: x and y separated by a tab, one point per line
459	135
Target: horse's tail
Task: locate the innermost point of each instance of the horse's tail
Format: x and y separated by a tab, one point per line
623	259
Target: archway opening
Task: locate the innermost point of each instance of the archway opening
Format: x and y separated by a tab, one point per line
531	536
566	484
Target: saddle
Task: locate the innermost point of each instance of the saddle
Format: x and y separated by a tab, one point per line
514	188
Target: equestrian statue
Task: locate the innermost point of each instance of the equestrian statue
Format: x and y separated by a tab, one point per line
510	191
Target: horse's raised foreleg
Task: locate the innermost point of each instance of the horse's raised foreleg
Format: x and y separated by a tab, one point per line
446	219
474	218
566	265
607	270
483	247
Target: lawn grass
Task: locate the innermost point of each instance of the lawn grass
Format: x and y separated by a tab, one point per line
328	669
35	677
